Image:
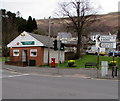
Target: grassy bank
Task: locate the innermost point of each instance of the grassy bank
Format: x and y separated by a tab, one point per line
4	58
88	58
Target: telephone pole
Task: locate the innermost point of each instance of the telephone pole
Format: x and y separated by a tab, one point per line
49	40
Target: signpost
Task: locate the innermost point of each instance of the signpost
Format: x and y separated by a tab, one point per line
107	44
107	38
105	41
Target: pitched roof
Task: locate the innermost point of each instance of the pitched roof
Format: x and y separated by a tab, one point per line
64	35
43	39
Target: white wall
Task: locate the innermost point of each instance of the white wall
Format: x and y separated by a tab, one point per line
53	54
25	38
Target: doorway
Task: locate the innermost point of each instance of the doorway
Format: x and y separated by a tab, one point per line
24	56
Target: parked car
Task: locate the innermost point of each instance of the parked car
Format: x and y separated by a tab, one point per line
116	53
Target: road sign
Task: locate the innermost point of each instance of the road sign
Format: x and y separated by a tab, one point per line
107	44
107	38
106	41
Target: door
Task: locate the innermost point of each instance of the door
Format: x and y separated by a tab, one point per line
24	55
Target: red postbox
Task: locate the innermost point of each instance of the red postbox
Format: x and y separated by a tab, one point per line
52	62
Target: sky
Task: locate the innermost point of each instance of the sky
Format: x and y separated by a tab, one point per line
40	9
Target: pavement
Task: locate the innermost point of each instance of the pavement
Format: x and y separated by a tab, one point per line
89	73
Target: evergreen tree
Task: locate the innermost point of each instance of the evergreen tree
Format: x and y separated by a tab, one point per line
34	24
29	24
12	26
22	25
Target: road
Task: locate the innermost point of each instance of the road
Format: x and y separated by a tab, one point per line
28	86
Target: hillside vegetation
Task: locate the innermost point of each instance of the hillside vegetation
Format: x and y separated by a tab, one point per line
103	23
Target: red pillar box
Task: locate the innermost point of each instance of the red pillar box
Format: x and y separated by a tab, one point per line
52	62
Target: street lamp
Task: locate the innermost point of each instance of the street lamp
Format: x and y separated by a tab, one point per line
49	33
49	40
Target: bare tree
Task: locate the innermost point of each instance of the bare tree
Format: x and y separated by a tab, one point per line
80	13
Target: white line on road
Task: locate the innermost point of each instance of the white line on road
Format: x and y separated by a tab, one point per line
11	76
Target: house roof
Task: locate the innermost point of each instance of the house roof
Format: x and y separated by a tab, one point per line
27	39
43	39
64	35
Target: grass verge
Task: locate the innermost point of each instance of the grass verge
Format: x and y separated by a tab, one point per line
88	58
4	59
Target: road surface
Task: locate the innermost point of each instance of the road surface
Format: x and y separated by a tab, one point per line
28	86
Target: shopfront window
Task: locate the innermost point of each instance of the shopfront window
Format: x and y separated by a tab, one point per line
33	52
16	53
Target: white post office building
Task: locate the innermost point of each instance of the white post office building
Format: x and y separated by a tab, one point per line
32	50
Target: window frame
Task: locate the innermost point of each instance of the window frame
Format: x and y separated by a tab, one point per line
16	50
33	50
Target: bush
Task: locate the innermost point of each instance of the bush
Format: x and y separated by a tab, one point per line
69	56
71	63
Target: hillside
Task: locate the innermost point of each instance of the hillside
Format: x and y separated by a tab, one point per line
104	23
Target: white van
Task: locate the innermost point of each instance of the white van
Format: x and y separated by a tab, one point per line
94	50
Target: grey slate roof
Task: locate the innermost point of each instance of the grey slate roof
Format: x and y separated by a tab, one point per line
43	39
64	35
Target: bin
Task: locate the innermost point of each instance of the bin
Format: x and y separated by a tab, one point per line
32	63
114	68
52	62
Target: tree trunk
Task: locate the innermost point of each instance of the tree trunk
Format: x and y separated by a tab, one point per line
79	45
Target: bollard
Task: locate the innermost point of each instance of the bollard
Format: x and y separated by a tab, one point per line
115	71
113	66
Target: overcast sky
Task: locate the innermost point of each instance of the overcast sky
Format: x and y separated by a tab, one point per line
39	9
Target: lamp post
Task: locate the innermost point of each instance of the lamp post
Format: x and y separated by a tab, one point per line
49	40
58	55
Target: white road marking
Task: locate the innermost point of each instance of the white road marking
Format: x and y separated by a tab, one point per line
11	76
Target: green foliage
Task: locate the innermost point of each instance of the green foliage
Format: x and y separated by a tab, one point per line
4	59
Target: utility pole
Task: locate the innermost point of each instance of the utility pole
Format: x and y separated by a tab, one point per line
58	55
49	40
98	60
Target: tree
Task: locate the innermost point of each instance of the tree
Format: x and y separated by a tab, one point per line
79	13
9	29
34	24
12	26
11	15
29	24
22	24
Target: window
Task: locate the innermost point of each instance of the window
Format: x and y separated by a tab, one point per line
15	52
33	52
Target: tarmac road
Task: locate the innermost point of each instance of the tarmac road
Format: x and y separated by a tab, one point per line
28	86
